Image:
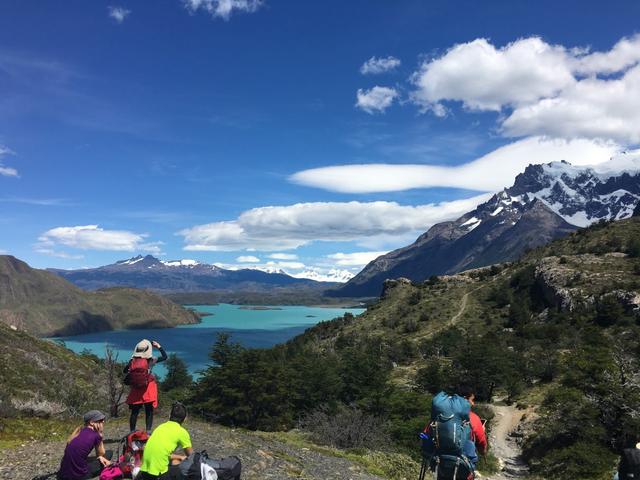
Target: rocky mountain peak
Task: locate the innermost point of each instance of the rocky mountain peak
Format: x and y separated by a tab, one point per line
544	202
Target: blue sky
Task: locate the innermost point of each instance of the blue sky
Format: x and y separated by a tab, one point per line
204	128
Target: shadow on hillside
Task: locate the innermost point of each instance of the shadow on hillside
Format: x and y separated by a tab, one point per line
87	322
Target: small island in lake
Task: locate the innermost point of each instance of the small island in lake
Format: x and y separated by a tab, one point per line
258	308
311	316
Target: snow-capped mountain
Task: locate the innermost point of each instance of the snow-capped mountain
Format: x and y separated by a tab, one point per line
333	275
581	195
150	262
179	276
545	202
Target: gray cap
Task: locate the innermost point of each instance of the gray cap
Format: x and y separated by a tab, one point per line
93	416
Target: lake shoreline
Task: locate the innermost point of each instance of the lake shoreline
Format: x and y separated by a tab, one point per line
251	328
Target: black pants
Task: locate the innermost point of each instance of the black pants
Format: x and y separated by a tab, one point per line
148	412
172	474
95	467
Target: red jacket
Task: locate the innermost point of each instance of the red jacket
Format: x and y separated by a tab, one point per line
478	434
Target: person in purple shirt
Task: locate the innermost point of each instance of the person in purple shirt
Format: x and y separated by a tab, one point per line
76	464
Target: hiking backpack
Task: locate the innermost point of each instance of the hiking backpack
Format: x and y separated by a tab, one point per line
629	464
196	467
444	439
132	451
139	374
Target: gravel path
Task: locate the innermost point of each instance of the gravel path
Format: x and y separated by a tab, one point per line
504	445
263	457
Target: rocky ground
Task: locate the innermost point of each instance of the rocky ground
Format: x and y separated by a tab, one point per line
276	456
263	456
503	443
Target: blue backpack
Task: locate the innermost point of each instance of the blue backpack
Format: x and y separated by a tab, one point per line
445	439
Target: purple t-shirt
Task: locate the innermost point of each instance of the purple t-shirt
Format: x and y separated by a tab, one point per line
74	462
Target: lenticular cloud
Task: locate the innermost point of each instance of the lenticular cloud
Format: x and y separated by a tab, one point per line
491	172
287	227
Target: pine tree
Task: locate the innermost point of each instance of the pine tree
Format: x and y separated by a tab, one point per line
177	374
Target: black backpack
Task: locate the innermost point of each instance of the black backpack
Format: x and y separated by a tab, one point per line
227	468
629	464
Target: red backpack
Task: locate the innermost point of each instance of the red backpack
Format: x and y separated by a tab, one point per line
132	452
139	375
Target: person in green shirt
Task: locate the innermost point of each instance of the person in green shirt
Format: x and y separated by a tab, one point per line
159	451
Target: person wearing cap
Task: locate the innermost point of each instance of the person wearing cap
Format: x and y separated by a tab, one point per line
148	395
76	464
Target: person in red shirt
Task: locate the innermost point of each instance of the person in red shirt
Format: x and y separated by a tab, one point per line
147	395
478	435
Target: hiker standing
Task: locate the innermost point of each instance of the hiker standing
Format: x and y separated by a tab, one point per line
158	452
478	434
447	446
144	388
75	464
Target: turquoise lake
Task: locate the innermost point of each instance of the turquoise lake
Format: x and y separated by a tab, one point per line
192	343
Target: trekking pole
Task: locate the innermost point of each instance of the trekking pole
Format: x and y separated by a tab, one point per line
423	469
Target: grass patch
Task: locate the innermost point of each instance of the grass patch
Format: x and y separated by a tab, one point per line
389	465
17	431
488	464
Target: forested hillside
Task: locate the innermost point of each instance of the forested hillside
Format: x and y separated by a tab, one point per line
557	331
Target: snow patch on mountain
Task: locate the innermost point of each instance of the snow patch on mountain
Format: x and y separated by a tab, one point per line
333	275
131	261
472	223
581	195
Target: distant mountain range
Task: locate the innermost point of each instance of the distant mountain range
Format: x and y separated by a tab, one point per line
545	202
175	276
41	303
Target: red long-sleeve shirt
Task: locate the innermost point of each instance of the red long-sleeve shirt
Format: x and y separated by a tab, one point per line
478	434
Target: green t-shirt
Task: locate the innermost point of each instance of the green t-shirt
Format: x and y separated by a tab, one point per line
163	441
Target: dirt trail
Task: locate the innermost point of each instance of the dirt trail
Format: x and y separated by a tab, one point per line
504	446
463	306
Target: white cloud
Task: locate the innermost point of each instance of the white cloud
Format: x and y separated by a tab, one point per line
377	65
490	172
8	171
376	99
486	78
283	256
4	170
92	237
354	259
55	253
624	54
223	8
288	227
45	202
592	107
286	265
119	14
247	259
543	89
